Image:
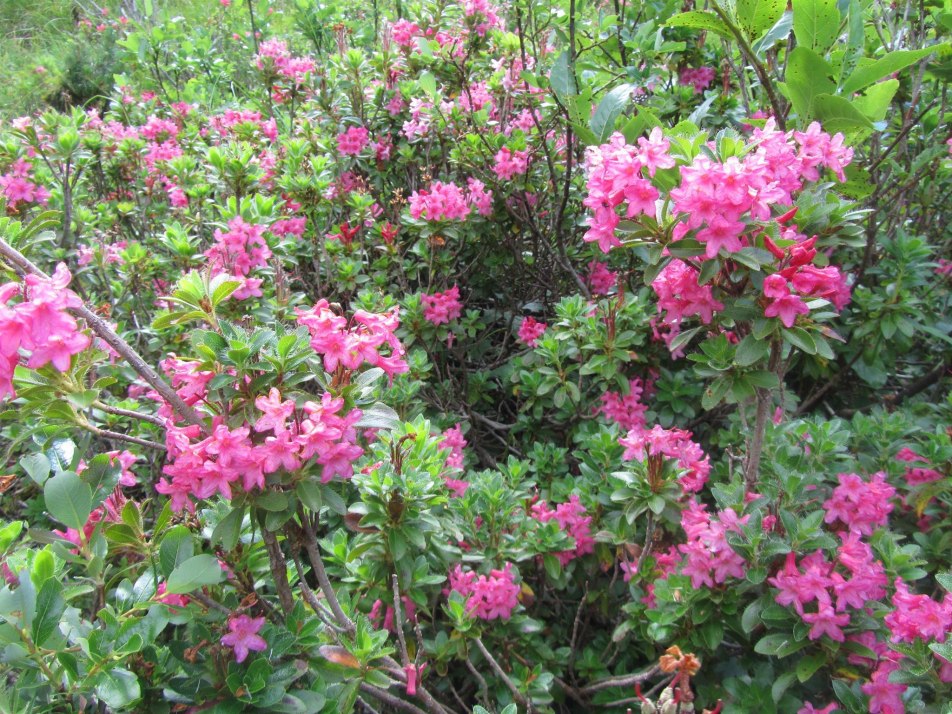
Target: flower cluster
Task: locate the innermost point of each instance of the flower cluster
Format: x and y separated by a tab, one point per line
600	278
17	187
509	164
352	141
455	442
350	344
572	520
487	596
851	581
530	331
626	410
275	59
916	475
215	464
39	323
443	307
237	252
680	296
708	558
698	77
672	444
448	202
861	505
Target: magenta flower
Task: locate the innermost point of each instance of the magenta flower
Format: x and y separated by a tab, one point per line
243	636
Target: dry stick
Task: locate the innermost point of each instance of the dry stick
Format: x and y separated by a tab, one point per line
108	335
516	694
387	698
312	600
109	434
117	411
398	620
279	570
623	681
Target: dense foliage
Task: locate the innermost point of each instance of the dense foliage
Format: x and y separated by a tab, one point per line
458	356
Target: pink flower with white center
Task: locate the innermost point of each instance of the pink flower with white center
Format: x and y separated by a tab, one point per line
243	636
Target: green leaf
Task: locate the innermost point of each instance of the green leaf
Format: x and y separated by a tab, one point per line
175	549
228	529
683	338
801	339
749	351
779	645
751	617
807	75
839	114
68	499
118	688
428	84
379	416
755	17
698	20
816	24
875	101
194	573
37	466
809	664
608	110
866	74
562	78
49	608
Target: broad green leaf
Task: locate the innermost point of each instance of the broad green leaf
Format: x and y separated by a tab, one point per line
867	73
49	608
68	499
428	84
118	688
176	547
698	20
839	114
562	79
193	574
809	664
749	351
608	110
37	466
807	75
379	416
816	24
755	17
801	339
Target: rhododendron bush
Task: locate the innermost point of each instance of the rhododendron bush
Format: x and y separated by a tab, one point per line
448	357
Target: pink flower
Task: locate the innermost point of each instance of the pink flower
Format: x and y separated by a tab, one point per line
861	505
783	304
441	308
488	596
352	141
530	331
509	164
243	636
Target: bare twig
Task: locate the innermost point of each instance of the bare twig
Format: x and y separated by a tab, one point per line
516	694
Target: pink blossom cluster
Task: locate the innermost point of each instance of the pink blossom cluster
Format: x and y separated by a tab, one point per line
572	520
917	475
440	202
708	558
275	58
243	636
509	163
404	32
455	442
680	295
475	98
17	187
672	444
484	13
367	337
237	252
478	197
851	581
109	252
600	278
217	463
530	331
626	410
441	308
40	323
806	279
698	77
861	505
352	141
615	176
289	227
188	381
488	597
918	617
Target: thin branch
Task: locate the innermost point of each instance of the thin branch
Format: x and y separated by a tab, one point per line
627	680
109	336
389	699
279	570
516	694
109	434
117	411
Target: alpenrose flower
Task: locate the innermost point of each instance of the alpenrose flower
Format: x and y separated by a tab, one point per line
243	636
